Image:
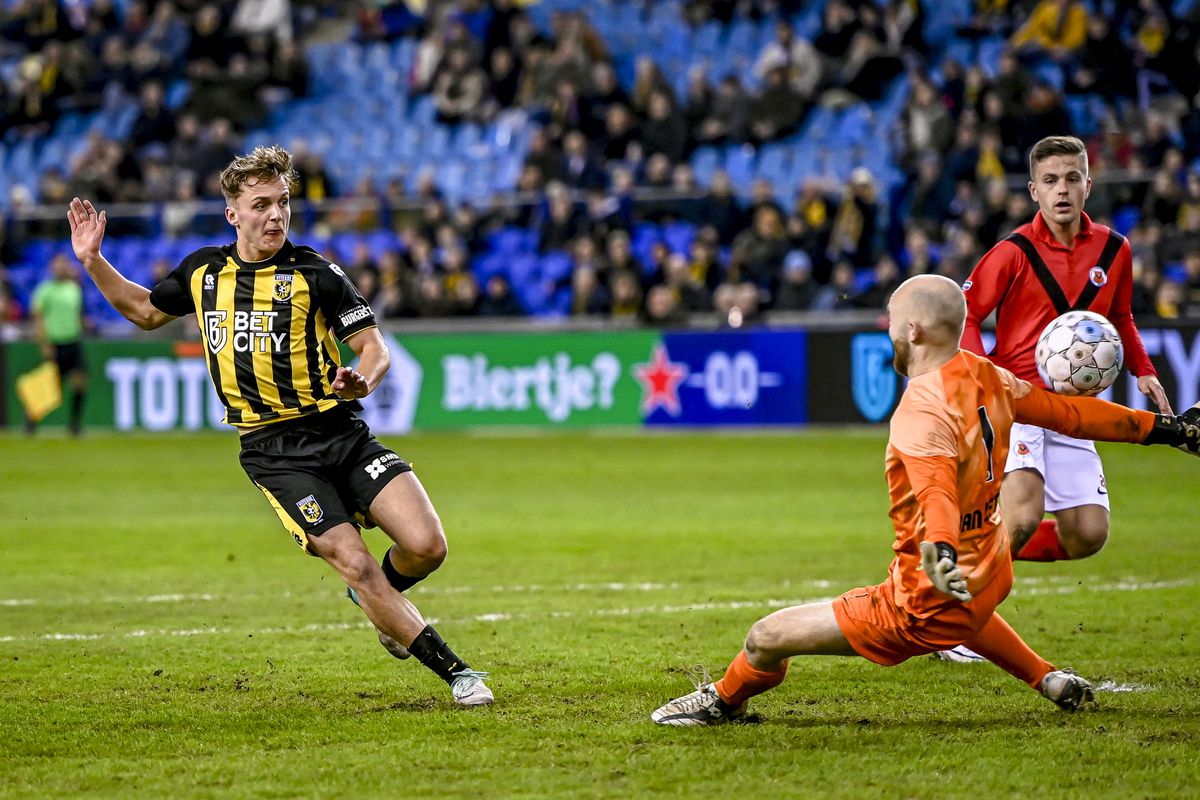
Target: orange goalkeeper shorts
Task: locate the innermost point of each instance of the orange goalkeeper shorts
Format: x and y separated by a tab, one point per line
885	633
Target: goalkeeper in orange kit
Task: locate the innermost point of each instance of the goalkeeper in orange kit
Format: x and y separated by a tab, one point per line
953	567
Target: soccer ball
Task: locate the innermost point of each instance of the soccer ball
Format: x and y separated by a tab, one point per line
1079	353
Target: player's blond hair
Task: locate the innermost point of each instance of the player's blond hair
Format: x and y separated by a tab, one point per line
263	163
1056	146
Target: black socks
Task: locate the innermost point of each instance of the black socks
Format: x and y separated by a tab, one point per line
434	653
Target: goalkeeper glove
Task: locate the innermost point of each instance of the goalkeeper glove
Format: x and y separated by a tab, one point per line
1182	431
939	560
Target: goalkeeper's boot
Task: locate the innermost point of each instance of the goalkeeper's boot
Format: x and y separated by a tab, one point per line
1066	689
959	655
702	707
391	645
469	689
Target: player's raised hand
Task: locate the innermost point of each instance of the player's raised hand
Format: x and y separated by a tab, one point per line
350	385
1152	388
938	561
87	228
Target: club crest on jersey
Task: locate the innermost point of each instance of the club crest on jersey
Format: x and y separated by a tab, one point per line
1022	449
215	330
1098	276
311	509
283	288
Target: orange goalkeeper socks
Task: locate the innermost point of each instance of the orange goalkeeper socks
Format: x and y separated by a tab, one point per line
1001	645
742	681
1044	544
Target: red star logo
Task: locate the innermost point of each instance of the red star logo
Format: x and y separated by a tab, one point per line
660	380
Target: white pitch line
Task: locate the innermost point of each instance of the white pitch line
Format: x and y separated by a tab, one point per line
1120	688
499	616
1058	585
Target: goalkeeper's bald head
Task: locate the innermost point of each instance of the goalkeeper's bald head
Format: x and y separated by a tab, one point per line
927	313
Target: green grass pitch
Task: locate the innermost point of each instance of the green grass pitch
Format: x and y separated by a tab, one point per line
160	635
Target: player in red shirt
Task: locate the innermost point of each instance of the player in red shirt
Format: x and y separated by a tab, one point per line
1058	262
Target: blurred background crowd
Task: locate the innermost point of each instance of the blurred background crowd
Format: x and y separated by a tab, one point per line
657	162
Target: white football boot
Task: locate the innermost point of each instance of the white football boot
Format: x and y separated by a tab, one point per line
702	707
469	689
959	655
1066	689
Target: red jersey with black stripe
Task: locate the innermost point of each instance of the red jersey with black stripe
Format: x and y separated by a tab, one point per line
1027	296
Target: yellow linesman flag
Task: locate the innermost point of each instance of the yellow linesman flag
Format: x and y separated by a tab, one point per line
40	390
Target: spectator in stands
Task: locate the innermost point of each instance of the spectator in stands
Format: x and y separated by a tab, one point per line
1057	28
664	130
626	290
620	129
580	170
886	279
870	65
736	304
588	295
727	119
926	124
777	110
558	221
544	156
504	78
1164	199
1045	115
498	299
856	225
1145	287
723	213
1191	264
458	89
1169	300
287	71
1103	62
1011	84
648	79
697	98
758	252
797	291
155	122
928	199
663	308
795	55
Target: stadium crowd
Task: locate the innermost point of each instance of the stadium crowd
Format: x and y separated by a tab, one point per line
605	159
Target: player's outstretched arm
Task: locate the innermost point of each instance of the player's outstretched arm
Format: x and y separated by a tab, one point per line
132	300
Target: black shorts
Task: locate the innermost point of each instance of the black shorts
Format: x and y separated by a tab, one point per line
319	471
69	357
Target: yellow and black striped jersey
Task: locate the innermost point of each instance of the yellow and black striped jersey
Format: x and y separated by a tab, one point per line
269	327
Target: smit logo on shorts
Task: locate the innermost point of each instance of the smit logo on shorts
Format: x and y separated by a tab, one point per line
380	465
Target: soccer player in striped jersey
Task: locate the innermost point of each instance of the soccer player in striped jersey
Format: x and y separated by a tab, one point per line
271	314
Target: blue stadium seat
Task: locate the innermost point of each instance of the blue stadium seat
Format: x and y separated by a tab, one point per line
679	236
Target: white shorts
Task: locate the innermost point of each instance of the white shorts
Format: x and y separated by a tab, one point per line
1070	467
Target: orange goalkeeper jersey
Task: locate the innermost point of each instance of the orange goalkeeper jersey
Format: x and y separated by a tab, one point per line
945	461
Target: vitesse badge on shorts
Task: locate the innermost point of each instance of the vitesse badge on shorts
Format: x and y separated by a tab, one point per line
283	288
311	509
